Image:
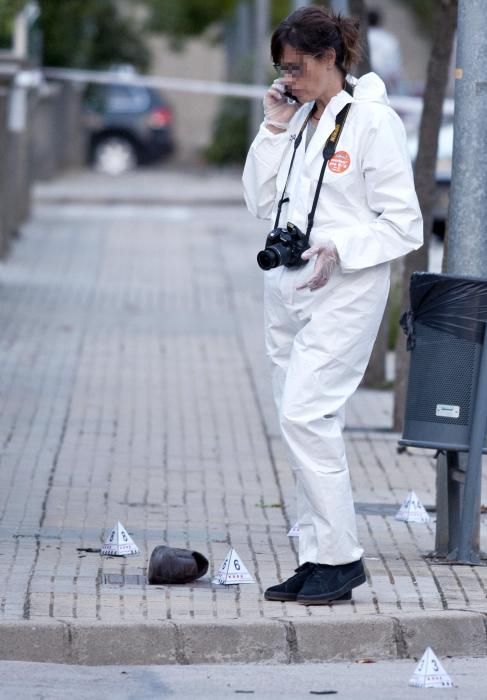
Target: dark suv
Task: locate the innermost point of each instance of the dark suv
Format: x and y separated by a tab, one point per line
127	125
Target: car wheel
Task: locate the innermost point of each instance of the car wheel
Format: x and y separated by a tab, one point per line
114	155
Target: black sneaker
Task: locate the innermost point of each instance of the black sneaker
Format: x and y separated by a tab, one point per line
327	584
288	590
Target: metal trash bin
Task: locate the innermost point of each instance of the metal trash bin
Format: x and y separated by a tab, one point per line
445	330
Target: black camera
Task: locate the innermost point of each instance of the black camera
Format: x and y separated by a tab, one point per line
283	246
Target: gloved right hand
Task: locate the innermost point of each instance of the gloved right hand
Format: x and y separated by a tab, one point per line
278	111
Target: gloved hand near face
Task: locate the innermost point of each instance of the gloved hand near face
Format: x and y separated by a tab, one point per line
278	111
326	262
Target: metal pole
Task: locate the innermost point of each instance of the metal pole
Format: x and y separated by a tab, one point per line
467	552
467	242
261	59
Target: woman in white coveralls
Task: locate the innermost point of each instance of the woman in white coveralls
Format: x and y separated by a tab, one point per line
321	318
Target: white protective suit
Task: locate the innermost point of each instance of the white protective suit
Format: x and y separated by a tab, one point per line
319	342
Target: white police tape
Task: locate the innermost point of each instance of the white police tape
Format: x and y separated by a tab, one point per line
179	84
403	104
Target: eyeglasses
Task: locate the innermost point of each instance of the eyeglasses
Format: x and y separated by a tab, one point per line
294	69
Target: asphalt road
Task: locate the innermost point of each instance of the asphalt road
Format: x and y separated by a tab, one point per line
384	680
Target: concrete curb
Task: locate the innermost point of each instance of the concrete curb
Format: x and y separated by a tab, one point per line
451	633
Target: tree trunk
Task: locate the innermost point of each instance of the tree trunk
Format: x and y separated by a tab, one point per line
375	374
424	172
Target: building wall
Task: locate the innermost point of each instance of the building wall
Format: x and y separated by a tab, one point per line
194	113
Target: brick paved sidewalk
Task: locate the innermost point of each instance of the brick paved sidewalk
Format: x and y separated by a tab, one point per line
134	387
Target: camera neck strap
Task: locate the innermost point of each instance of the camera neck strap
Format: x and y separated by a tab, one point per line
328	152
297	141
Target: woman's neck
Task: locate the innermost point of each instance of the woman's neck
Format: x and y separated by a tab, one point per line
334	86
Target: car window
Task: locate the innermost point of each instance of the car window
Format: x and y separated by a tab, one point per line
126	98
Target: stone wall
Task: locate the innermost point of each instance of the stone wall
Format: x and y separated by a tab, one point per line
45	137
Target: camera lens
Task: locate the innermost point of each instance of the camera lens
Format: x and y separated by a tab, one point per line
267	259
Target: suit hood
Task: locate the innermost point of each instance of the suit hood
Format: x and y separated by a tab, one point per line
369	88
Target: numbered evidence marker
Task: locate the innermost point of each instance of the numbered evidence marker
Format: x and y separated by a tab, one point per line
119	543
430	673
412	510
294	531
233	570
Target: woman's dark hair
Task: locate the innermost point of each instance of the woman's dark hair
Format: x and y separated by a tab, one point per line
313	30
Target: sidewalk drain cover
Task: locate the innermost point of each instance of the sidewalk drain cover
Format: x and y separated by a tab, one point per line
123	580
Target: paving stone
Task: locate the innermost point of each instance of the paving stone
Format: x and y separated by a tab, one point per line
135	387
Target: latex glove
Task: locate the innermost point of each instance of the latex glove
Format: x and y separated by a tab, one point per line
278	110
326	261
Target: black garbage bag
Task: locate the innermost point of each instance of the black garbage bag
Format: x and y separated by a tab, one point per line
174	565
455	305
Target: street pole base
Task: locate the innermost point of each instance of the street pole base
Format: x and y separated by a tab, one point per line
475	559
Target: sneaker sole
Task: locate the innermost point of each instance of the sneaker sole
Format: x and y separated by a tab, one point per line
281	597
333	596
345	597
